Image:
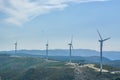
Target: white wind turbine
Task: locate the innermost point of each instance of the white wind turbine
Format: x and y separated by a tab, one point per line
15	47
47	50
70	49
101	48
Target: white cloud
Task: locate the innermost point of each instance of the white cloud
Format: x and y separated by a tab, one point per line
21	11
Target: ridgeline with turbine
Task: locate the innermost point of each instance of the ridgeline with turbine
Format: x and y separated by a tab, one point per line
101	49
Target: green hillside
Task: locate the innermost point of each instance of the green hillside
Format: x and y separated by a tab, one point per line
28	68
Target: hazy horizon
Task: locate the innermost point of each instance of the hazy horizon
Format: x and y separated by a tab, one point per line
63	49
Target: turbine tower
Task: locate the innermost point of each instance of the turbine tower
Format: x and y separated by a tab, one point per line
101	49
15	47
47	51
70	48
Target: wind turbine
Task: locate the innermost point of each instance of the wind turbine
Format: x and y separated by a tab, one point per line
47	51
70	48
15	47
101	49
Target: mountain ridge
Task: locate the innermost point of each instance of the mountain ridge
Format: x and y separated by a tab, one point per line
113	55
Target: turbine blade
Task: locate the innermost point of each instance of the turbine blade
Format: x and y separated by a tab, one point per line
71	39
99	35
106	39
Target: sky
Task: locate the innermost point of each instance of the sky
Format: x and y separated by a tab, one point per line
34	22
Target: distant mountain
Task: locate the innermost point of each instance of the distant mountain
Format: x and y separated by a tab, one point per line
113	55
63	55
